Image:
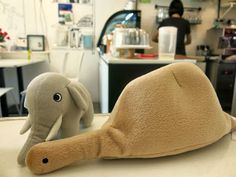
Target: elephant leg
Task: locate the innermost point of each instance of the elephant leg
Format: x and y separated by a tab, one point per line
70	126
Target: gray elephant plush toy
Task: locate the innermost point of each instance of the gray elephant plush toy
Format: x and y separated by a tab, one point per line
56	107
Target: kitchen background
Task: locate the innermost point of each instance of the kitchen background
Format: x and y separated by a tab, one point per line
22	17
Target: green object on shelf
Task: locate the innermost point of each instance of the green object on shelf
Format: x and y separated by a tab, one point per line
29	54
145	1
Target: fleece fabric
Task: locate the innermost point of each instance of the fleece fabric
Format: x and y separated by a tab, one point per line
56	105
169	111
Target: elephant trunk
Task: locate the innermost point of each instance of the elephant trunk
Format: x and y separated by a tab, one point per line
50	156
33	138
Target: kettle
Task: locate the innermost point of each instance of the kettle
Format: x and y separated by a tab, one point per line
74	37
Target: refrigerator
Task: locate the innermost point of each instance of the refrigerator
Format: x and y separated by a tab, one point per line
129	18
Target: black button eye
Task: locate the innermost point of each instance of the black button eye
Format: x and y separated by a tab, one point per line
57	97
45	160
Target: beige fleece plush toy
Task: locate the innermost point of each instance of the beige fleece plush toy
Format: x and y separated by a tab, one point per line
168	111
54	103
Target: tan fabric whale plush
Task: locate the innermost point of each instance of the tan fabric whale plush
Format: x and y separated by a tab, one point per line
165	112
55	104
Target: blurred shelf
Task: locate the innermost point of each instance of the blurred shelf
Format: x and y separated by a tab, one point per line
84	26
187	8
230	48
69	48
229	6
74	3
133	47
24	52
159	20
192	15
64	48
58	25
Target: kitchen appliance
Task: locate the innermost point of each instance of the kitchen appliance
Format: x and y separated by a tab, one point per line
222	40
127	18
222	72
74	37
222	75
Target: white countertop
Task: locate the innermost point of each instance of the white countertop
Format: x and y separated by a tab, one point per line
10	63
217	160
109	59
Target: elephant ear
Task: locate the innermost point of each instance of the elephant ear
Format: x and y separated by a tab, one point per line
79	96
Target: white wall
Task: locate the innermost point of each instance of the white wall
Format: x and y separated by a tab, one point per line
89	71
21	17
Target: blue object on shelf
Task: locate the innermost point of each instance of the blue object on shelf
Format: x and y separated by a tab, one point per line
88	41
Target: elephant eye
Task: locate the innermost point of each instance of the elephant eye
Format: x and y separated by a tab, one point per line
57	97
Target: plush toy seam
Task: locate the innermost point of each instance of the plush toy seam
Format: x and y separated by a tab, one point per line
191	148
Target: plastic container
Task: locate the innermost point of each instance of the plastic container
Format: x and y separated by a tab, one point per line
74	37
167	43
61	36
88	41
130	36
